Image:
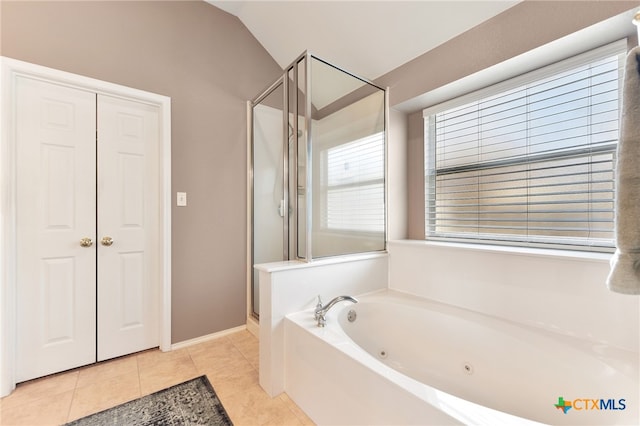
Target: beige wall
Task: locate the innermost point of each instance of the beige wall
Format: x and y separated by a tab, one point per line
397	158
209	64
519	29
522	28
415	176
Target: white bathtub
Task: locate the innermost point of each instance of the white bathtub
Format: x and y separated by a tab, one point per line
411	361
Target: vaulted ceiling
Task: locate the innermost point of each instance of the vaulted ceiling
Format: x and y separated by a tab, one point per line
367	38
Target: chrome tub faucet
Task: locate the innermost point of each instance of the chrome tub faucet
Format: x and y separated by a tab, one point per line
321	311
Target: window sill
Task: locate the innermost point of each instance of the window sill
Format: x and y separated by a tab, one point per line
510	250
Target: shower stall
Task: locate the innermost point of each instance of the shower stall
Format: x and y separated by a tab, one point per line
317	167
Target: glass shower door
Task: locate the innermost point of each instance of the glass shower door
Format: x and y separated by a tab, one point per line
269	180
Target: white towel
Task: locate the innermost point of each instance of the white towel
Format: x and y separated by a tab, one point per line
624	276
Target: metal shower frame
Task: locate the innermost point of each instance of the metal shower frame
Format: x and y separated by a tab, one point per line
291	224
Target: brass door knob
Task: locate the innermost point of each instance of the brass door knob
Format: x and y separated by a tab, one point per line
106	241
86	242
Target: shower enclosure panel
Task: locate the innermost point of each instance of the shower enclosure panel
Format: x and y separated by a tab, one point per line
318	166
269	219
346	156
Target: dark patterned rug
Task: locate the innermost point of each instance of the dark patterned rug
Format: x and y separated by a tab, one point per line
190	403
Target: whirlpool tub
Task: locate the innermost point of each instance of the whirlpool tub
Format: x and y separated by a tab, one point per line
395	359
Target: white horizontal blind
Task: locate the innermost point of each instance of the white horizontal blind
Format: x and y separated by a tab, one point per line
353	185
532	164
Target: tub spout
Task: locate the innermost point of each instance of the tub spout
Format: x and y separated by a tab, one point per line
321	311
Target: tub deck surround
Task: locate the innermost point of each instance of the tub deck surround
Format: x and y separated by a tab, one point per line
556	290
459	367
293	286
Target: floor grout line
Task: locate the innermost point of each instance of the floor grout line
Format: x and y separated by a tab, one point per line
242	348
139	375
73	396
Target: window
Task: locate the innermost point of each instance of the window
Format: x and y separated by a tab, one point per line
353	184
529	161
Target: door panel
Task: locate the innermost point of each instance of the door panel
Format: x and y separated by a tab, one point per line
55	169
57	295
128	212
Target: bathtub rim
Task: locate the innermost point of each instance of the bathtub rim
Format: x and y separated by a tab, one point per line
437	399
337	337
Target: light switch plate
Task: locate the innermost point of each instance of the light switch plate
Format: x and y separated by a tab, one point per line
181	199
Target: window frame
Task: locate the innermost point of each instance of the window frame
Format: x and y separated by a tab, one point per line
522	240
325	187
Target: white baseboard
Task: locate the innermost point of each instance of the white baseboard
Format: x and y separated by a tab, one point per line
253	326
208	337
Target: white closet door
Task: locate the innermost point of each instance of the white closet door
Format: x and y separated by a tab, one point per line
56	203
128	227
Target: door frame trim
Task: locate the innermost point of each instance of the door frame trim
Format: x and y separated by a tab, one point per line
10	69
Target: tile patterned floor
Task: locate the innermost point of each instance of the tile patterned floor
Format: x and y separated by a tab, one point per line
230	363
